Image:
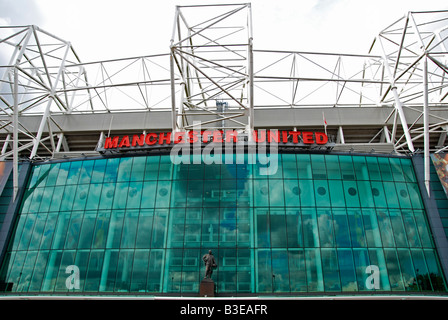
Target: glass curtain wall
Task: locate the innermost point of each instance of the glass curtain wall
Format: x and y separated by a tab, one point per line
321	223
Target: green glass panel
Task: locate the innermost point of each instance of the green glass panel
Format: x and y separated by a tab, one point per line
129	231
361	259
36	200
297	270
80	199
27	232
149	194
51	272
336	193
108	273
227	228
81	261
139	271
38	271
411	228
73	173
377	259
155	268
321	193
371	227
422	274
357	233
159	228
111	172
318	166
333	168
398	228
101	229
347	170
120	197
73	230
294	228
56	200
94	271
373	168
38	229
306	191
397	172
85	175
289	165
310	228
124	169
385	227
244	223
53	174
99	169
314	276
178	193
360	167
263	228
144	229
326	230
341	228
87	229
264	275
385	170
280	270
347	270
261	193
414	195
378	194
393	269
437	280
423	228
407	270
292	193
365	194
27	270
351	193
134	195
138	169
330	269
124	271
277	221
165	168
408	170
115	229
193	227
276	193
304	166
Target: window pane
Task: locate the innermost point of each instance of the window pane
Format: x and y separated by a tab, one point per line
347	270
294	228
297	271
314	275
330	268
280	271
333	169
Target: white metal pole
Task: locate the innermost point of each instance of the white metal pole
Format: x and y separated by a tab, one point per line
426	125
15	140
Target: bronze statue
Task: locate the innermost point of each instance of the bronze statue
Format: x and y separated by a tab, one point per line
210	264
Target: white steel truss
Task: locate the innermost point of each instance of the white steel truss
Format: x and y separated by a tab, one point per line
213	55
212	73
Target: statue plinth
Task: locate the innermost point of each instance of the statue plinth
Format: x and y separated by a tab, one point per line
207	288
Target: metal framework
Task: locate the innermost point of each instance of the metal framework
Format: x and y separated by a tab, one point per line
213	54
213	77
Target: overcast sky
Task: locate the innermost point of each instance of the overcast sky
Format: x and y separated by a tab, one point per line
105	29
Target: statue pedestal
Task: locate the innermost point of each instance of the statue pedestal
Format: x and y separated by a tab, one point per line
207	288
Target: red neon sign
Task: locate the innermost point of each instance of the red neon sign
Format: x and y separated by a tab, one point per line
217	136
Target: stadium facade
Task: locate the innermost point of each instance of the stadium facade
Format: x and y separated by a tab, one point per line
306	174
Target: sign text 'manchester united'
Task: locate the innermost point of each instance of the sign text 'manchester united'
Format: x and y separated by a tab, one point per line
216	136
